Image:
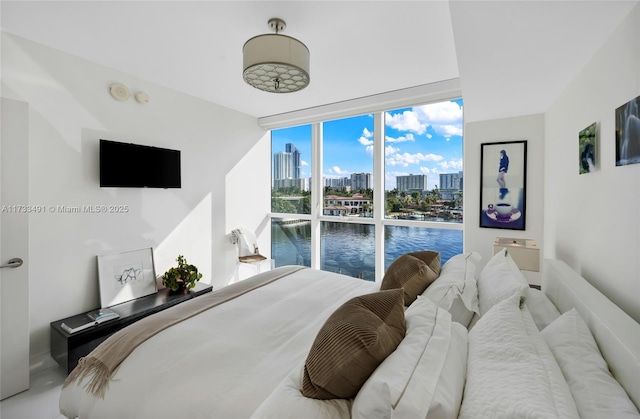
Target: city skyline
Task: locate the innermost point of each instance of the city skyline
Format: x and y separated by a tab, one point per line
423	139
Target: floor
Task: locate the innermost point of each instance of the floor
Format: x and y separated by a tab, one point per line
40	401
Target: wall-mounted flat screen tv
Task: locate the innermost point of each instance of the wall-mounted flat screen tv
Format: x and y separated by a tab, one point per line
127	165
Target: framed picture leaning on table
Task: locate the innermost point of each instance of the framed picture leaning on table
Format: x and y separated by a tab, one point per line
503	180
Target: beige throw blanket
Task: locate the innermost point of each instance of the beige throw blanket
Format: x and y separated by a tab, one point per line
103	362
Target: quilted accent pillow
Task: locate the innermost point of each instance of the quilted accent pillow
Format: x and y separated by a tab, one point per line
351	344
413	272
511	372
595	390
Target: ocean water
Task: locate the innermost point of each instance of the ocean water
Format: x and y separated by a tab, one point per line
350	248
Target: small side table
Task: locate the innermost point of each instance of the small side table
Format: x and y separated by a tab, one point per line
524	253
68	348
246	269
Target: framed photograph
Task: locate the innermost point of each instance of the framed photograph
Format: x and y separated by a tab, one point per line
126	276
587	149
503	180
628	133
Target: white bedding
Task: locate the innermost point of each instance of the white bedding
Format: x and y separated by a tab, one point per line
212	365
206	366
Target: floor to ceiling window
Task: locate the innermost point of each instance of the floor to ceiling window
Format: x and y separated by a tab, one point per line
389	183
423	179
291	194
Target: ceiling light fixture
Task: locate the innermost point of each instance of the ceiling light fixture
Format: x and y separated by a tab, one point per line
276	63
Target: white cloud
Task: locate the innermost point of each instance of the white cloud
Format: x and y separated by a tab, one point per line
405	121
406	159
365	141
444	117
335	170
451	165
401	139
390	150
366	133
303	163
387	150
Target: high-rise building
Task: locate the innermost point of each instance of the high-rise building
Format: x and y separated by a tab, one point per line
450	185
295	159
286	168
411	183
450	181
289	183
338	183
282	168
361	181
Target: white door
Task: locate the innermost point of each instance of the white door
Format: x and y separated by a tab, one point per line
14	236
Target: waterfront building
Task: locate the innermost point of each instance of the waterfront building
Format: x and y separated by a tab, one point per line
286	168
345	205
287	183
338	183
295	160
451	181
450	185
282	166
411	183
361	181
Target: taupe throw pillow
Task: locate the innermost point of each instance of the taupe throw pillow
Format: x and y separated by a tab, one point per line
413	272
351	344
431	258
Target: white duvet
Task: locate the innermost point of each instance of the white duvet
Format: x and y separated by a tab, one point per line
224	362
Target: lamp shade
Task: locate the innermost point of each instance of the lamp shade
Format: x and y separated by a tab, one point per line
276	63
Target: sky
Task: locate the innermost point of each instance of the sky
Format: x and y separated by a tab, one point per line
423	139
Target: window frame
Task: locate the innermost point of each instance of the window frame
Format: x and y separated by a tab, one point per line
378	220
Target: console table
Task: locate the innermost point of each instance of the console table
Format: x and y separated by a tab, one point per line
68	348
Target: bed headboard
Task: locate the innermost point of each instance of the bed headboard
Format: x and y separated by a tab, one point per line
617	334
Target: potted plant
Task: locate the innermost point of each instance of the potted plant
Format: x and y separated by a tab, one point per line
181	278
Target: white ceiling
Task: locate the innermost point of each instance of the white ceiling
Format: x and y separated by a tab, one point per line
512	57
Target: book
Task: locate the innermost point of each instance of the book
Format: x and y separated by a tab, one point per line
102	315
76	324
91	319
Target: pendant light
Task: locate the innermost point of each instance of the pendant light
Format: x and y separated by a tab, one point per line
276	63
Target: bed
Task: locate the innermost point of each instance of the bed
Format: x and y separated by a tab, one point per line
261	348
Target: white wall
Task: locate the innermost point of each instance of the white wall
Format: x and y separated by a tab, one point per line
70	110
248	199
530	128
592	221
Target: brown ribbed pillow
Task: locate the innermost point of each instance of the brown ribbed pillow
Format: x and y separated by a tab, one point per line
351	344
431	258
413	272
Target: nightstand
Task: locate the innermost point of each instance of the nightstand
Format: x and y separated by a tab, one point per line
524	253
68	348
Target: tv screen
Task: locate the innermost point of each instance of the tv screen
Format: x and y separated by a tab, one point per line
137	166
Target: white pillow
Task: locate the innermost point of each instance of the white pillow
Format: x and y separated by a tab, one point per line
287	402
541	308
456	290
498	280
511	372
448	396
424	374
595	390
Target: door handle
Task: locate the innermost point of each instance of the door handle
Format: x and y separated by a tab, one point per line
13	263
